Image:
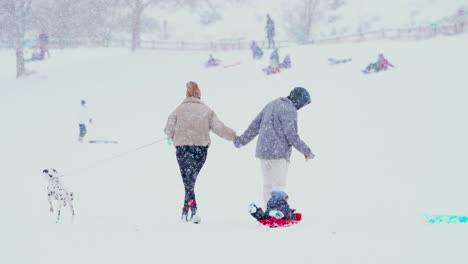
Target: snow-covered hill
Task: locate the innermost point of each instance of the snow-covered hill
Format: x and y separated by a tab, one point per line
390	148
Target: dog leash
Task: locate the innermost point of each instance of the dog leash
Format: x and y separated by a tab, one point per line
168	141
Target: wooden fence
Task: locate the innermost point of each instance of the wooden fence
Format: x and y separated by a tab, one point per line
416	33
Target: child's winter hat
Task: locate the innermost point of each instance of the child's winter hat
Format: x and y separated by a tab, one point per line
300	97
192	89
279	194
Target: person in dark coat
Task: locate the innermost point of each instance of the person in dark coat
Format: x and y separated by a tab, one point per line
44	44
270	31
277	207
276	127
257	52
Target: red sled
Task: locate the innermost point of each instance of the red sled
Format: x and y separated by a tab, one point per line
273	222
276	70
211	65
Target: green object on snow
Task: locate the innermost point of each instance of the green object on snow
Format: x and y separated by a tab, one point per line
446	219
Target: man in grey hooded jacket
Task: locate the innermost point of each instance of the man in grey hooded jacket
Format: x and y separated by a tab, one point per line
276	127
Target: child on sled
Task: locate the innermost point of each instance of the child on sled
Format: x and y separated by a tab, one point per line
278	212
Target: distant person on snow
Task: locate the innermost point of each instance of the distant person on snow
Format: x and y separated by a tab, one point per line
41	49
286	64
44	44
274	66
84	120
333	61
277	208
274	58
257	52
270	31
37	55
460	21
189	127
381	65
212	62
276	127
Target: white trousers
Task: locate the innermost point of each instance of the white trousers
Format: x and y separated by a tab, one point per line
275	174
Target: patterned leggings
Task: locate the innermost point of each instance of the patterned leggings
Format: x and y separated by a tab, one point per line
191	160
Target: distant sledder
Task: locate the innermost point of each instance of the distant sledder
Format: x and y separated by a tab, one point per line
212	62
257	52
278	212
37	55
274	66
333	61
381	65
41	49
286	64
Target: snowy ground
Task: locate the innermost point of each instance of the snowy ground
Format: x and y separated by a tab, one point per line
390	148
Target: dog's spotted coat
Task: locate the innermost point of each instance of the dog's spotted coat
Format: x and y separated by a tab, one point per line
57	192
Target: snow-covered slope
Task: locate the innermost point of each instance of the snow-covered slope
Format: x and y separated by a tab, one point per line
390	147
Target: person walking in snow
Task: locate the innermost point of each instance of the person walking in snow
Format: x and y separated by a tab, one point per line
84	120
189	126
270	31
276	127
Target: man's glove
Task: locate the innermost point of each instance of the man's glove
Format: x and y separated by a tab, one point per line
310	156
237	143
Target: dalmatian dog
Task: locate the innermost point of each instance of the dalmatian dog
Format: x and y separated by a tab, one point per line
57	193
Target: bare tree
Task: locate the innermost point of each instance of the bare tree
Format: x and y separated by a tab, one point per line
74	22
111	20
137	8
210	11
15	14
309	13
303	15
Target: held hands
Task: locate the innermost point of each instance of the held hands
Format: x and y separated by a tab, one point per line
236	142
51	210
